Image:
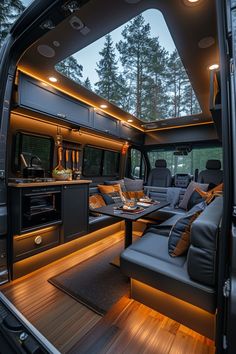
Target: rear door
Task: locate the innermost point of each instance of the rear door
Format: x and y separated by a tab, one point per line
226	317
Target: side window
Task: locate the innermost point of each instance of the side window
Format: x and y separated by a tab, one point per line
92	162
29	146
111	162
135	163
99	162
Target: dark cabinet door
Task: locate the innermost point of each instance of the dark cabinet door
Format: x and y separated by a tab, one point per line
131	134
106	124
75	216
39	97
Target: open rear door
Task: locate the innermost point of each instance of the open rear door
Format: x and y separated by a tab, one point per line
226	317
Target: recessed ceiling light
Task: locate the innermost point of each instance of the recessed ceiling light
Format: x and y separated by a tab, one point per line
52	79
103	106
192	2
213	67
130	120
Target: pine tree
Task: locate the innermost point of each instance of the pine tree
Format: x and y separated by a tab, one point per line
110	84
9	12
70	68
87	84
134	56
176	81
190	100
156	98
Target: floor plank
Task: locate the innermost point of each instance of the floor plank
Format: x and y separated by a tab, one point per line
129	327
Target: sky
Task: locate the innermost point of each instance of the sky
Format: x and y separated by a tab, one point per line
89	56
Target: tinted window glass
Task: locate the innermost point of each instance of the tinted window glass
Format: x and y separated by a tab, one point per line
33	146
111	163
196	158
136	157
100	162
92	162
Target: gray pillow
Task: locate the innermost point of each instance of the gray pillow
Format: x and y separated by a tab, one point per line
132	185
189	191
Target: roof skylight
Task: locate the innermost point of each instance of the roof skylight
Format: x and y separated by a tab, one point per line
137	68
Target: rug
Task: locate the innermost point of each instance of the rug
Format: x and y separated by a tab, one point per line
95	282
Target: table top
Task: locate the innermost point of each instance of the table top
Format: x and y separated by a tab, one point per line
126	215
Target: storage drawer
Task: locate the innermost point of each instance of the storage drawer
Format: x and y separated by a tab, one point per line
32	243
105	124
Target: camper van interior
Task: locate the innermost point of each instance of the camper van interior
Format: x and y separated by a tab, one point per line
116	178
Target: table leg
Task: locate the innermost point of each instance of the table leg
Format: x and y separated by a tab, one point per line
128	233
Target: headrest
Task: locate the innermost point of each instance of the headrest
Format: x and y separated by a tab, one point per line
160	163
213	165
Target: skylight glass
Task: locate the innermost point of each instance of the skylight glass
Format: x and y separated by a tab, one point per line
137	68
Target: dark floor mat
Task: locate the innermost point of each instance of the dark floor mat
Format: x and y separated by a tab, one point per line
95	282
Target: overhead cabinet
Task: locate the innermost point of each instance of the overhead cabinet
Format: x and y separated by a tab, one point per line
106	124
45	99
39	97
131	134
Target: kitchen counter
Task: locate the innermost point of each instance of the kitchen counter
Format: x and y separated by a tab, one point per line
43	184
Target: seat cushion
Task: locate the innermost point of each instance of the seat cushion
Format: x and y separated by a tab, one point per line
148	261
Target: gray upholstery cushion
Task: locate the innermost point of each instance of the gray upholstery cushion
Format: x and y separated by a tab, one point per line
179	238
160	177
213	165
161	163
148	261
184	203
203	249
211	176
133	184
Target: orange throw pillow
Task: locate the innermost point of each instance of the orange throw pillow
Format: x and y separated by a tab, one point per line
104	189
210	195
96	201
134	194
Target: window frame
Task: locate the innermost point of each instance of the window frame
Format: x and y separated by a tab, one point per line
102	161
16	168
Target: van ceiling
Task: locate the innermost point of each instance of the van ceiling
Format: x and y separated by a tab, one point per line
187	25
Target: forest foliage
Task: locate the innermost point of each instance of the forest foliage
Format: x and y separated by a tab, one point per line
137	74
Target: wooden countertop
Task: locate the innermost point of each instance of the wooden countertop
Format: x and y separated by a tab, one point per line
43	184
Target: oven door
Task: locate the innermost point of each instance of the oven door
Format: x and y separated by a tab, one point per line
40	208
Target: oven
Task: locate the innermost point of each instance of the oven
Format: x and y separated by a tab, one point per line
40	206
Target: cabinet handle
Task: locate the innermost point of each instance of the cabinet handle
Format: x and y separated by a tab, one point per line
61	115
38	240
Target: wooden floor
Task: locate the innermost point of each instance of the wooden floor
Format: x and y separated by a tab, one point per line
129	327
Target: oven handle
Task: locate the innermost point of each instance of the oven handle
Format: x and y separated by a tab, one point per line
41	193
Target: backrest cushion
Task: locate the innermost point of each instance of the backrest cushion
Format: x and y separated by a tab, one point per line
134	194
133	184
179	238
111	194
193	185
96	201
121	182
201	260
195	199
